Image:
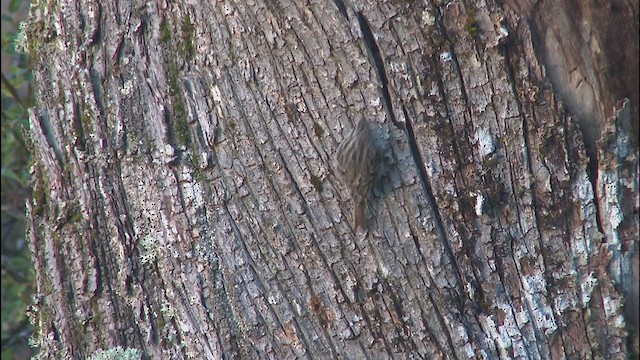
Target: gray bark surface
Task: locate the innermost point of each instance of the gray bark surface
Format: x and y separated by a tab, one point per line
185	201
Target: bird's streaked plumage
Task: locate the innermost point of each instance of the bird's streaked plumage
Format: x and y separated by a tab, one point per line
357	162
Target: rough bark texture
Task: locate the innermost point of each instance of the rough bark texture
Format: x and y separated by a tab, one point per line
185	199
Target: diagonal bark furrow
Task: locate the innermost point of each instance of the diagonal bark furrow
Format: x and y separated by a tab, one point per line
378	64
342	8
420	163
442	234
299	191
185	201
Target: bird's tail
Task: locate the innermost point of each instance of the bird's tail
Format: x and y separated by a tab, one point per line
359	215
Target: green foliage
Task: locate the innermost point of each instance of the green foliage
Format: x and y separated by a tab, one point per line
17	274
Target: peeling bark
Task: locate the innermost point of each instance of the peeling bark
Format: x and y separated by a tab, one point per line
185	201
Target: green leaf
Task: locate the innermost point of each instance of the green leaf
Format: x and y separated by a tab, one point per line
7	354
11	175
14	5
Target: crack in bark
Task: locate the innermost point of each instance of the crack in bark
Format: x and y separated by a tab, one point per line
442	234
378	64
375	55
342	8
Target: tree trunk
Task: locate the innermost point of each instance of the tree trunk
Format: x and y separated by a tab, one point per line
185	201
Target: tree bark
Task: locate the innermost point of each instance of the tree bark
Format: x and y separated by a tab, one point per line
185	201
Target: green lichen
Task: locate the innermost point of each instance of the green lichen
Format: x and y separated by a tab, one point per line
198	173
316	182
148	143
117	353
471	26
168	314
38	201
58	241
180	125
22	39
37	33
165	32
75	214
67	170
186	49
317	129
197	168
85	119
150	248
181	128
39	197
